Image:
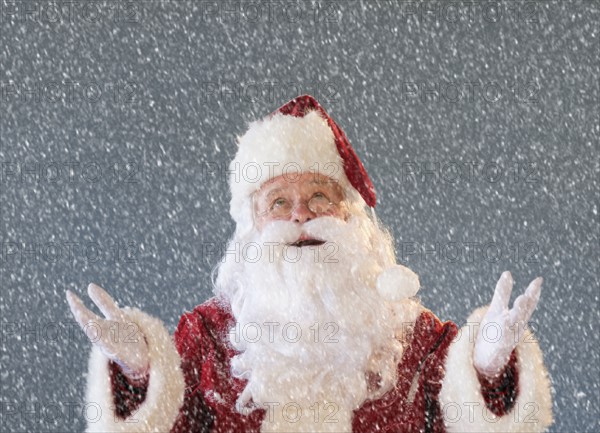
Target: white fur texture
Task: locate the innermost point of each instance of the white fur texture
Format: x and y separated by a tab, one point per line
165	390
277	145
321	286
463	406
397	282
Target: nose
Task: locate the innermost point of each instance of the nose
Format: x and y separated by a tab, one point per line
301	213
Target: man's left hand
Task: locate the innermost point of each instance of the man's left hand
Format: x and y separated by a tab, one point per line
501	329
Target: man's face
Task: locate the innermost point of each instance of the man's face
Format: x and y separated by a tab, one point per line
298	198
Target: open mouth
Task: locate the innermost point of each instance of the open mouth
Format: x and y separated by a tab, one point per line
307	242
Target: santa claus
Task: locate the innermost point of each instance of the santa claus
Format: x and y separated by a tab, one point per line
314	327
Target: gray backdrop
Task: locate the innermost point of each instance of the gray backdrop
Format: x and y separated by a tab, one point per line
477	122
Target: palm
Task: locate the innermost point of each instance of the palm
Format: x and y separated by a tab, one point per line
502	328
117	337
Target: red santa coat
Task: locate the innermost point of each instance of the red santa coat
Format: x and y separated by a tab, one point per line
199	394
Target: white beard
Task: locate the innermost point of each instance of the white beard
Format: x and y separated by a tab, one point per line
310	324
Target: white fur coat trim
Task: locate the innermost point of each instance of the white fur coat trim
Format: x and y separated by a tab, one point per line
165	389
462	404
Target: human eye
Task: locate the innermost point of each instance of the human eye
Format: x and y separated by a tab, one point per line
278	203
319	203
320	196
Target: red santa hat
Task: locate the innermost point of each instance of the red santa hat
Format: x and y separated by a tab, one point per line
299	137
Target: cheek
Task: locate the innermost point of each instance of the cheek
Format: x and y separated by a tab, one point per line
344	213
339	213
262	221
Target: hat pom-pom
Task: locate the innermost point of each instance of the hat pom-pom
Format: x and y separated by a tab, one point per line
397	282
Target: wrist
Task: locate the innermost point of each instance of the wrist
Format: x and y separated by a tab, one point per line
488	372
492	367
135	377
500	391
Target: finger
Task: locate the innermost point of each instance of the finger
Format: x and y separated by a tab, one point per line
525	304
532	296
535	289
105	303
518	312
502	292
82	315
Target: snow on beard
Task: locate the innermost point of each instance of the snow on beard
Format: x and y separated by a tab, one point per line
310	324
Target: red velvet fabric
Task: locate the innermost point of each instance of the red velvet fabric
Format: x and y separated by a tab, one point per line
500	392
209	406
130	395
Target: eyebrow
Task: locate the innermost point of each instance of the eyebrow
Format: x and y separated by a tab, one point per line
316	181
274	191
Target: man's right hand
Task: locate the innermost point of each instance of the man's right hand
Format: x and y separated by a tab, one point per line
119	339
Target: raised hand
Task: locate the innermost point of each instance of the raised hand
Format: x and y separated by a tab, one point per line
501	329
119	339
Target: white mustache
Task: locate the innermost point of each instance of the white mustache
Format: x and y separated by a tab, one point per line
326	228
